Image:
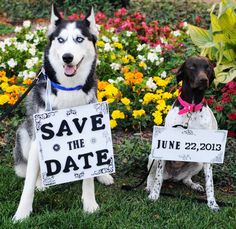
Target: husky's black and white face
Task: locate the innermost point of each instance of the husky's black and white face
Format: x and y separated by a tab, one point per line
71	51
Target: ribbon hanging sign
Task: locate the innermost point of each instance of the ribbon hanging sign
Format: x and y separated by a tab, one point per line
192	145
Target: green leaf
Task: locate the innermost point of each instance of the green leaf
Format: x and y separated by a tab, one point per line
201	37
225	77
215	26
229	54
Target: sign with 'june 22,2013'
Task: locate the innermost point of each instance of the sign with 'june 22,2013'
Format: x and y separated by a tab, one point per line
74	143
192	145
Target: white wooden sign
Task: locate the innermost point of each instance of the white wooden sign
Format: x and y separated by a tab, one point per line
193	145
74	143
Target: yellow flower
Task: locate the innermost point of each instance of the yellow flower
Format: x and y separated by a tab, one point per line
110	100
131	58
4	86
138	113
149	97
160	82
125	101
176	93
125	60
100	44
2	74
4	99
125	69
166	95
118	45
142	65
113	123
116	114
161	105
157	117
168	107
113	56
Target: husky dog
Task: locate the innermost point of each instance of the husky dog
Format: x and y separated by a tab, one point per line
69	63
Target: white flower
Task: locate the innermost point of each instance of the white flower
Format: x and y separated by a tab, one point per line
115	66
8	41
26	24
128	33
2	65
29	36
163	74
185	24
142	58
161	59
176	33
98	61
106	39
25	74
115	38
32	50
140	47
158	49
18	29
12	63
29	64
157	63
107	47
2	46
36	40
140	100
150	84
152	57
111	81
22	46
119	79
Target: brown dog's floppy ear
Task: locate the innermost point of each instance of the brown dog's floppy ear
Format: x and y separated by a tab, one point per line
180	73
212	72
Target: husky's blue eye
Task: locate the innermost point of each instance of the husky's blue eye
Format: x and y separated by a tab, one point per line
60	40
79	39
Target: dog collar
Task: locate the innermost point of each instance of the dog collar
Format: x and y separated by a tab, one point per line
62	88
190	107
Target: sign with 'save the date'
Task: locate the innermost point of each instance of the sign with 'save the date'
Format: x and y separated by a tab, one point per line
74	143
190	145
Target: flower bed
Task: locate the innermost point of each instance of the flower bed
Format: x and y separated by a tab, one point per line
136	66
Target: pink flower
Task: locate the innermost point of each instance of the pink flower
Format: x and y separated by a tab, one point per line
120	12
231	84
198	19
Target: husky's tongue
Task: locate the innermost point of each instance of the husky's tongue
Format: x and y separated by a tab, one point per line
69	70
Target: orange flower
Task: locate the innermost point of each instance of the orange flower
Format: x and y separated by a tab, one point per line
27	81
133	77
102	85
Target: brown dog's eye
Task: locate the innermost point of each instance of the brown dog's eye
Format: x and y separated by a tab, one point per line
191	67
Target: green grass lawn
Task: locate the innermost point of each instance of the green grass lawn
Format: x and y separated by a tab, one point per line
60	206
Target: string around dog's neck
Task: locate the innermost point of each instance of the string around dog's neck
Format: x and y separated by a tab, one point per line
60	87
189	107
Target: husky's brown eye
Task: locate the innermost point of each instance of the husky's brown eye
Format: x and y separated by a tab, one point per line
79	39
60	40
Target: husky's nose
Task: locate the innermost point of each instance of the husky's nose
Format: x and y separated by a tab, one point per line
67	58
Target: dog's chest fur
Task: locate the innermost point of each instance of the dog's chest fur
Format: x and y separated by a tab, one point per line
65	99
203	119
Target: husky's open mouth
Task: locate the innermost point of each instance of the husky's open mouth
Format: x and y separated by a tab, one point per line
70	70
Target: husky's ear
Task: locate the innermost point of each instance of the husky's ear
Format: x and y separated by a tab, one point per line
54	21
90	18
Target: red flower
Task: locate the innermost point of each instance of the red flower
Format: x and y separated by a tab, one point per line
231	134
231	84
226	98
211	100
218	108
198	19
232	116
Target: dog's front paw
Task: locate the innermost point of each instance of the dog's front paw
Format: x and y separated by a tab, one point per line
90	206
106	179
153	196
197	187
213	205
21	214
